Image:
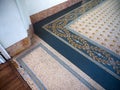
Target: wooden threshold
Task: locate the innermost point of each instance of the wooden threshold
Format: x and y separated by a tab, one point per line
10	79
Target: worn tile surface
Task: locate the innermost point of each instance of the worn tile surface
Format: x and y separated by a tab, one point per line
52	74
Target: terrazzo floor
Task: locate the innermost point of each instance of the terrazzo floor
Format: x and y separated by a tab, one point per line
53	74
45	69
101	25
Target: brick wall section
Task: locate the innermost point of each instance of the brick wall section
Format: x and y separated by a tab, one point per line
44	14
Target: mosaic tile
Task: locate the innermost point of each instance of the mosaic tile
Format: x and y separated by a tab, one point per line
103	57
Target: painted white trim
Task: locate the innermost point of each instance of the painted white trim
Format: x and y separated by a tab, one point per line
2	60
4	52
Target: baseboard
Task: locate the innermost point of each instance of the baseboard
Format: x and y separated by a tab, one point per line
21	45
26	42
46	13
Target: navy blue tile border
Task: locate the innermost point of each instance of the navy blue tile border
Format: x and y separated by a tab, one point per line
68	68
95	72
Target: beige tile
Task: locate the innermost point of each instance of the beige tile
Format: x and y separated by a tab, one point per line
98	25
53	75
50	71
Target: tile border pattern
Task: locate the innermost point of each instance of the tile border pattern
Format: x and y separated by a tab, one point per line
37	81
100	57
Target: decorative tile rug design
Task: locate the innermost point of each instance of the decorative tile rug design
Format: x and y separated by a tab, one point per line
51	71
100	56
93	58
101	25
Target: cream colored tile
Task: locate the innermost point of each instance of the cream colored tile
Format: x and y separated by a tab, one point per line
53	75
104	19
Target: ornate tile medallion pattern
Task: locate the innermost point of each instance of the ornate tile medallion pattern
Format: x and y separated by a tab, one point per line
99	56
101	25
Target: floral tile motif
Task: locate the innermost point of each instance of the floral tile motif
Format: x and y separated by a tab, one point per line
101	25
101	57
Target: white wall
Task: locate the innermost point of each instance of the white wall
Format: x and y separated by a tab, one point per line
21	4
35	6
12	28
14	18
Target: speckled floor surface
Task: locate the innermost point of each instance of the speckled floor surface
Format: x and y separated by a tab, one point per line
101	25
44	68
76	42
53	71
